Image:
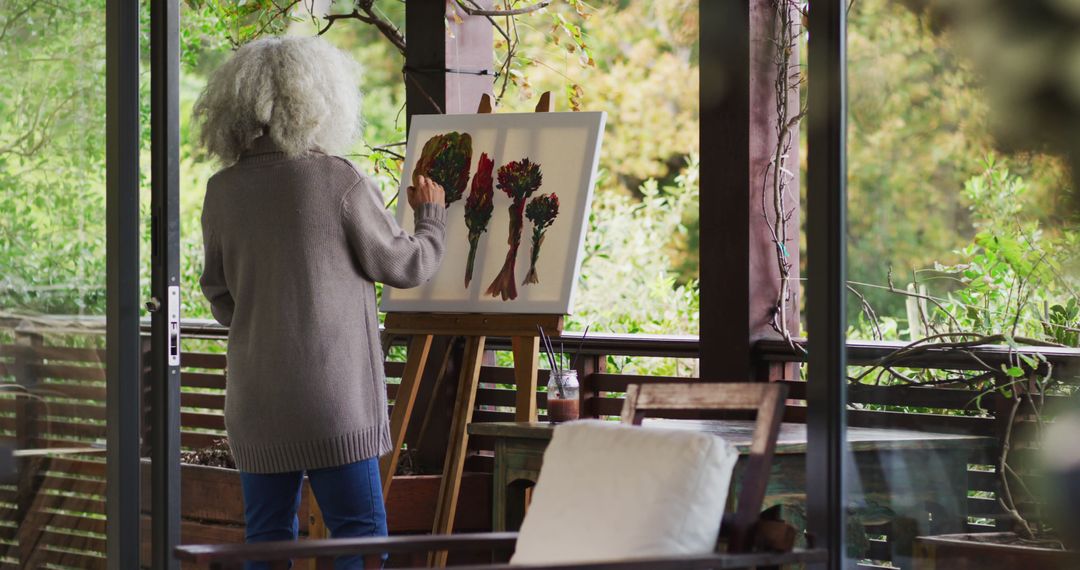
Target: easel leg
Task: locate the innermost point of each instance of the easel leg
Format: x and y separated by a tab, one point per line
316	526
459	442
417	357
526	353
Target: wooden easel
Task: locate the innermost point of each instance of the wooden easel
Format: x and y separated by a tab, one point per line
475	328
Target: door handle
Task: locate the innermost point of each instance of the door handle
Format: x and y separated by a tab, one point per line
174	325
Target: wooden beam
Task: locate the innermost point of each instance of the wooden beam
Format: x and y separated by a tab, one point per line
739	274
470	56
425	58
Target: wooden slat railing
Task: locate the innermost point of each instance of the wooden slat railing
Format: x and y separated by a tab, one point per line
70	375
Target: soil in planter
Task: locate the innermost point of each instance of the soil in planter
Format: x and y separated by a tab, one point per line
216	454
407	465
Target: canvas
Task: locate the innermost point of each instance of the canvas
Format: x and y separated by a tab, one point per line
518	188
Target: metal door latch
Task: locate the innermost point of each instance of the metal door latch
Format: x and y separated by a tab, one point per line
174	325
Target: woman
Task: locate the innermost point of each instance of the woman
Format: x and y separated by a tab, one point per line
295	238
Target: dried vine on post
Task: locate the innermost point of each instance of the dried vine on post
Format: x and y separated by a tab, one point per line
778	176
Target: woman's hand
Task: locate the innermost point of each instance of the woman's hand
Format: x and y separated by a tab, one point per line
427	191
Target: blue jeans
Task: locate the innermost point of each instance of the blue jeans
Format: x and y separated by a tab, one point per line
350	497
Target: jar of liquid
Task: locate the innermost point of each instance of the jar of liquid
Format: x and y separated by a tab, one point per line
562	396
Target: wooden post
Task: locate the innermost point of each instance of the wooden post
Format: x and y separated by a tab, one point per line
27	427
446	72
526	354
470	57
739	274
25	377
589	364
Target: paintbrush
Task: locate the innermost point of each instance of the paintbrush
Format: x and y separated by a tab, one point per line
547	350
580	346
551	351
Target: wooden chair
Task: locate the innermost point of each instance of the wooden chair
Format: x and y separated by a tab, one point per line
767	399
741	531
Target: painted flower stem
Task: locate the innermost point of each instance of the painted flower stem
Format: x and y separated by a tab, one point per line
478	208
505	285
542	212
518	180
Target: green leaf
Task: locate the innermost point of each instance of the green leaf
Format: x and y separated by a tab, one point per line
1013	371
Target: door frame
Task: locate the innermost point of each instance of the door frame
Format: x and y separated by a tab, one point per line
122	345
124	387
165	286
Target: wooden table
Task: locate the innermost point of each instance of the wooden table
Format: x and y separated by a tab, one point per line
913	482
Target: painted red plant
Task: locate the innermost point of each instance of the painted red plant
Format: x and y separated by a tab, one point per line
478	208
541	211
519	180
446	159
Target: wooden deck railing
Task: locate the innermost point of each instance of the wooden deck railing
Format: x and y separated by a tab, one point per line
59	512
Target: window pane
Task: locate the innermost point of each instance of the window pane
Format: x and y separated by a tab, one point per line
952	243
52	282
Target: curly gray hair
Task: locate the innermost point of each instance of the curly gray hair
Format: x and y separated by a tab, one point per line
301	91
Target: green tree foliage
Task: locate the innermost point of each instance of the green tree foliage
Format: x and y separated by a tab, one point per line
1012	279
652	134
918	130
628	283
644	74
52	156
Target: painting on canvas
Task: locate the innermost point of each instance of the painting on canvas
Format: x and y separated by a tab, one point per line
518	188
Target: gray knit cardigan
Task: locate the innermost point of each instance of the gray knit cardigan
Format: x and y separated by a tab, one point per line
293	248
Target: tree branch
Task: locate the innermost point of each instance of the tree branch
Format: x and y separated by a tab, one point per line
364	10
477	11
14	17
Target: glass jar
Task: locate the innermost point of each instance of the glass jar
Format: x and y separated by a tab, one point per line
562	396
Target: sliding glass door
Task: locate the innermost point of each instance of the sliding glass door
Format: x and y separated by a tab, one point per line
87	468
69	290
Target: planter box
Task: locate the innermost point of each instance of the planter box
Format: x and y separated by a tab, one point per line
410	507
987	551
212	505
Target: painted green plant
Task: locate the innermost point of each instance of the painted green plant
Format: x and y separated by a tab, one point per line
541	211
518	180
446	159
478	208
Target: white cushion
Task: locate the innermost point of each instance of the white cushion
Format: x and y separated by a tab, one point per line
609	491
